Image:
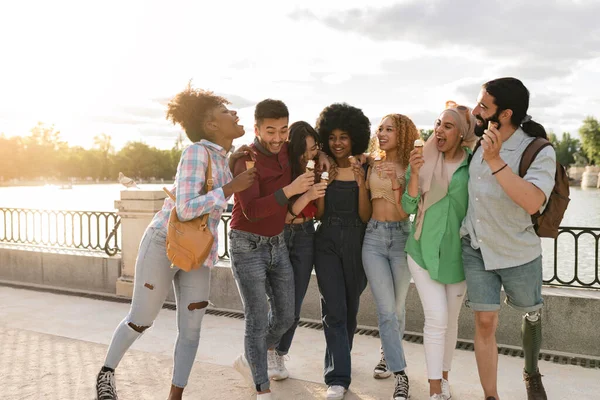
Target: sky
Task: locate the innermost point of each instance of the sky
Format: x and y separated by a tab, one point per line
112	66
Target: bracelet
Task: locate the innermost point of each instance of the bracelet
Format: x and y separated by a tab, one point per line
504	166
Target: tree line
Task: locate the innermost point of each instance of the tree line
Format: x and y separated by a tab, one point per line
44	155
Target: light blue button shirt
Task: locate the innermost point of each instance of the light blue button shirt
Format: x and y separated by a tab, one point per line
495	223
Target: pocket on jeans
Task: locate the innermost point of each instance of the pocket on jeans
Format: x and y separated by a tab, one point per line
239	245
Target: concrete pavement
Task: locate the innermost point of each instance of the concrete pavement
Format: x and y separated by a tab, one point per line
51	347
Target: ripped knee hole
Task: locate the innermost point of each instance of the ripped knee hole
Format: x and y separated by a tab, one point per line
197	306
138	329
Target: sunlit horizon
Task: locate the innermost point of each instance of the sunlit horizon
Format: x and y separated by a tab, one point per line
110	67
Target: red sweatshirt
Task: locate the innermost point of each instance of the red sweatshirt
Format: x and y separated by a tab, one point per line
261	209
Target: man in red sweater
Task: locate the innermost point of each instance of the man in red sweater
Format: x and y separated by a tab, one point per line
259	256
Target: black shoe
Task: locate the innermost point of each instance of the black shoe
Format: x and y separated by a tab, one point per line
490	398
401	389
534	386
105	386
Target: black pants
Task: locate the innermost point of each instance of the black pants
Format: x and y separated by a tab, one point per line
341	278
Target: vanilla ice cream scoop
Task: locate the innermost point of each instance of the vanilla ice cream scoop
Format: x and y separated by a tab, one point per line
419	145
325	176
310	165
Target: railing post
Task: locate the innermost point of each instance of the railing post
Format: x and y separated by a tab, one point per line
136	208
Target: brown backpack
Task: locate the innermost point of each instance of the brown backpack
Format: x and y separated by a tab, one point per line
189	242
547	223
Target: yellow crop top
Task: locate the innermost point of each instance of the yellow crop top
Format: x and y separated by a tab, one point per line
381	186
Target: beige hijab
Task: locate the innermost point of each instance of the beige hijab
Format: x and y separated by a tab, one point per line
433	177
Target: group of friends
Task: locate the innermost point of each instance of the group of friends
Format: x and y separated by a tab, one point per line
471	235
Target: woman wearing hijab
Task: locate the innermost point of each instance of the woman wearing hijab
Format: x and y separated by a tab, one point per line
437	193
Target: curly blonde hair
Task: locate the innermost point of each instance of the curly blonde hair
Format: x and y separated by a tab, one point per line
407	133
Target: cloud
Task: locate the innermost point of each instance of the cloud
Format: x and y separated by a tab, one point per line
558	32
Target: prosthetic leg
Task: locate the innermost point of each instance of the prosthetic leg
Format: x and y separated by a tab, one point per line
531	334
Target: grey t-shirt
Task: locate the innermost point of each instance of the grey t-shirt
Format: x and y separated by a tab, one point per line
495	223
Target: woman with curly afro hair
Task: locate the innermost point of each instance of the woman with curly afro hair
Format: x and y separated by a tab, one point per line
344	131
383	249
211	127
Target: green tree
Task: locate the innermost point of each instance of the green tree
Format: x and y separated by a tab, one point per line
590	139
103	144
425	133
565	148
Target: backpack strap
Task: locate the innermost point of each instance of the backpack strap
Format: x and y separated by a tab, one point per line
477	145
530	153
209	178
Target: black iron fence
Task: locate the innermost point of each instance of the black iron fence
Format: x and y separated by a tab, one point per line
87	230
575	258
574	261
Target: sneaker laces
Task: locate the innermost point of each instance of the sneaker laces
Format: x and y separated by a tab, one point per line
106	386
280	360
401	389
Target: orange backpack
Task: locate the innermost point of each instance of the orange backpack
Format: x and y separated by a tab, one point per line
547	223
189	242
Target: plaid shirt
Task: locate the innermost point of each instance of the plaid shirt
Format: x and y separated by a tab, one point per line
188	186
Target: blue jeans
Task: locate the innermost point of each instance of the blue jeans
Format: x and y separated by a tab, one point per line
387	270
522	284
153	276
300	240
341	280
257	262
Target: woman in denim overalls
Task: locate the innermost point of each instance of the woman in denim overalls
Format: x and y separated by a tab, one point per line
344	131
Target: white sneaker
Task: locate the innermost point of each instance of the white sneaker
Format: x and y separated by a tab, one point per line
381	370
446	389
263	396
336	392
438	396
241	365
276	363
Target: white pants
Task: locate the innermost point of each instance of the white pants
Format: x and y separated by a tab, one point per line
441	305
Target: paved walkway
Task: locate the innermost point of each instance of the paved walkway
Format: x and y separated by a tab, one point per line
51	347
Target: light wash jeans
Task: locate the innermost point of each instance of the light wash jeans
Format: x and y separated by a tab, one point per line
153	276
441	306
258	262
387	271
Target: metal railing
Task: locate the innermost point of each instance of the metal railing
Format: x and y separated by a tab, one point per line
88	230
94	230
573	278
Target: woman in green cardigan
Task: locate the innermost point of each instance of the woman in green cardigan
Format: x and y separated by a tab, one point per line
437	193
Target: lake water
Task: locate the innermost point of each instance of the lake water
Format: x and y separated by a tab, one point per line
583	211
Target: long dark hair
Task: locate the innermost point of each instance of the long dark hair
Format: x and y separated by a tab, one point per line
511	94
299	131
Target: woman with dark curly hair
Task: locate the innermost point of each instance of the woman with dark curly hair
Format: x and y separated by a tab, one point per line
211	128
344	131
383	248
299	231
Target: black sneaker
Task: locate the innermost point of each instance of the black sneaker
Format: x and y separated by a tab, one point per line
381	370
105	386
401	389
534	386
